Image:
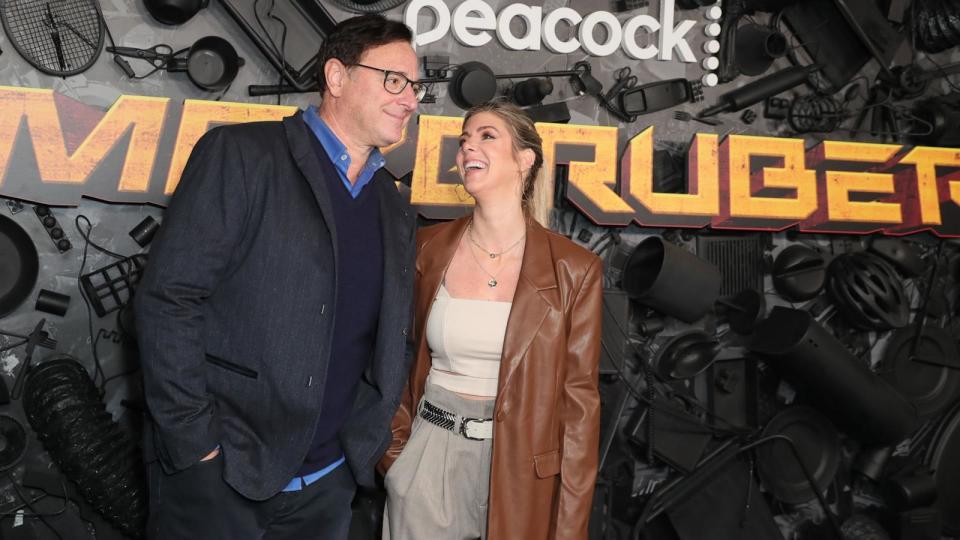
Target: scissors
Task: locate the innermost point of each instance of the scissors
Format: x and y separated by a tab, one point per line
158	55
622	80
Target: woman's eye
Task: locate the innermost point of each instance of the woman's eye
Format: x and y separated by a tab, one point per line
487	136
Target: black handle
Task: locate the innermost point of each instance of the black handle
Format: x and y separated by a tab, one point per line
276	89
761	89
733	11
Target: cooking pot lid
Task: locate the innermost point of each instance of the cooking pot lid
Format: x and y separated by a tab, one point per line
799	273
930	387
818	444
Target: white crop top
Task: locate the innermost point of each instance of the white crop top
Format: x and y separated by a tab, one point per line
466	339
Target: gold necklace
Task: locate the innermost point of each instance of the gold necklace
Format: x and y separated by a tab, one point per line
493	277
492	254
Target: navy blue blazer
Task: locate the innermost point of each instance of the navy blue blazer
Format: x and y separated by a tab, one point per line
235	311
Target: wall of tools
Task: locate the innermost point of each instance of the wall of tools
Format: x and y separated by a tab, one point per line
755	383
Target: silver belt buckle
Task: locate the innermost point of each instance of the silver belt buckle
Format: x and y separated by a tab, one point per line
482	429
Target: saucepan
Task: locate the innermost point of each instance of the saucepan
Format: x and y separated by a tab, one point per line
211	63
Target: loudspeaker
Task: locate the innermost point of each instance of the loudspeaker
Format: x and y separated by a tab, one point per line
473	83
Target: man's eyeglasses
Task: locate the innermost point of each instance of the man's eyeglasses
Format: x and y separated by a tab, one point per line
395	82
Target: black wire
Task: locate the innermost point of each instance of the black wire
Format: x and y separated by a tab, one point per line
945	76
125	334
86	237
279	52
38	515
87	242
283	45
732	430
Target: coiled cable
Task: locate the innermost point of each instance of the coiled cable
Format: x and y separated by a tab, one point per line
816	113
64	408
936	25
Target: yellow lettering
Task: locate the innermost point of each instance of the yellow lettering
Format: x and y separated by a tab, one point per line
196	119
735	167
925	160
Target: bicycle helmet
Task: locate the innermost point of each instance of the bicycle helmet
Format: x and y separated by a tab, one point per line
368	6
867	291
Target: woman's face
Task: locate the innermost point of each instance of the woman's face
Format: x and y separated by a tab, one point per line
486	159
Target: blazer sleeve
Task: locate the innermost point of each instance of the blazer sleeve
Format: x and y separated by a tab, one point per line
191	252
580	414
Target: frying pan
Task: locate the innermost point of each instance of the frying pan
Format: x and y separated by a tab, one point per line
19	265
212	63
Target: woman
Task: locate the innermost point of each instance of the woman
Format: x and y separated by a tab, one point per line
497	431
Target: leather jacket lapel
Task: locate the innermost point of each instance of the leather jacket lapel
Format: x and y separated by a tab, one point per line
535	296
433	258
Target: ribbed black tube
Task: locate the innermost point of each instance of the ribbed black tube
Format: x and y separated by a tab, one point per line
65	410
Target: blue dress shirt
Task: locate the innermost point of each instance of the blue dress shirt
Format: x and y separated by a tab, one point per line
338	153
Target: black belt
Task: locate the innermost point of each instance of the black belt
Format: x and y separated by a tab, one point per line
475	429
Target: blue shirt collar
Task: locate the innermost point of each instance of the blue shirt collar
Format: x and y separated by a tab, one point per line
337	151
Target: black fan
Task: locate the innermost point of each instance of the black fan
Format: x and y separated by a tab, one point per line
58	37
368	6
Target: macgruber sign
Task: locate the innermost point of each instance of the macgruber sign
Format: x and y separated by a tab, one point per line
55	150
473	21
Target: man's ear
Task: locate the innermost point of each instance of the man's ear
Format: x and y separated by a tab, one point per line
335	74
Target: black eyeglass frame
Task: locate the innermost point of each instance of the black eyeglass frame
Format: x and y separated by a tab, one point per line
419	88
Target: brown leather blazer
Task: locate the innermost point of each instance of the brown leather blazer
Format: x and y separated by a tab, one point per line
547	412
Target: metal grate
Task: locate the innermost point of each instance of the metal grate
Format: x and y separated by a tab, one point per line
739	258
58	37
110	287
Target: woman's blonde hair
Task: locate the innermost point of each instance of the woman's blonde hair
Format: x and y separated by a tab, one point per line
534	197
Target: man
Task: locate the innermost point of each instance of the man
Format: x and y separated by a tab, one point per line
274	313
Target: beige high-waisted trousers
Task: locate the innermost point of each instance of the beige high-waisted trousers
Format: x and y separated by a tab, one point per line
438	488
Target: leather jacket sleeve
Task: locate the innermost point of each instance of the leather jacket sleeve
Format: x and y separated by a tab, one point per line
580	414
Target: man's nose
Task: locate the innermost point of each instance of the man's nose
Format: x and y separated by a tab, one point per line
408	98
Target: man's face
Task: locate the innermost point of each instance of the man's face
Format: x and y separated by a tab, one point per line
376	115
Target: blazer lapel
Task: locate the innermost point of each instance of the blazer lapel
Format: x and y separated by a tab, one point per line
534	298
397	231
301	148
